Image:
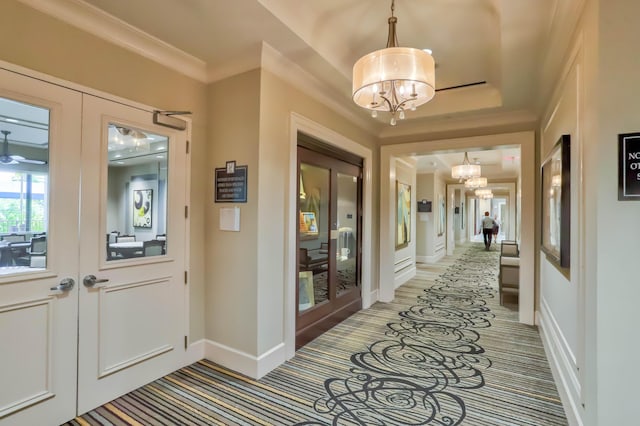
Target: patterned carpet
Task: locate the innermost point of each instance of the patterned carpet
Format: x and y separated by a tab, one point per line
444	352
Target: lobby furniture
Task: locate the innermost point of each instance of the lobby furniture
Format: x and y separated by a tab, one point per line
125	250
152	248
509	275
314	259
22	255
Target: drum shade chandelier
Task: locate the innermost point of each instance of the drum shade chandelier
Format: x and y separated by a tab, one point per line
465	170
484	194
475	182
394	79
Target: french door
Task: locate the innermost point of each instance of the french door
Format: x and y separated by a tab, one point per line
84	319
329	259
39	305
132	325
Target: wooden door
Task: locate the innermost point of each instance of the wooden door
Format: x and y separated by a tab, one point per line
329	258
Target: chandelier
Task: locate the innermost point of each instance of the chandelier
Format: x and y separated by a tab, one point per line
394	79
465	170
484	194
475	182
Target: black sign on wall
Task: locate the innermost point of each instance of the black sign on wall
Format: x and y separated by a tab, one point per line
231	184
629	167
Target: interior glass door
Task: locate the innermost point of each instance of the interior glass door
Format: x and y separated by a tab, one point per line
329	209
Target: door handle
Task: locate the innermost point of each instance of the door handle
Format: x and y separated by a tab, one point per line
91	280
65	285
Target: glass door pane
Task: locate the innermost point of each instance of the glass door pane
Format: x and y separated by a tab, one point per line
347	217
24	186
314	232
136	193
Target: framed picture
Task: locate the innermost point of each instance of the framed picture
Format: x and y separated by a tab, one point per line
403	214
142	208
556	203
308	224
306	298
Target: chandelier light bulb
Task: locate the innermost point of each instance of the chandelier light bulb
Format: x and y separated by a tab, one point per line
401	116
393	121
374	113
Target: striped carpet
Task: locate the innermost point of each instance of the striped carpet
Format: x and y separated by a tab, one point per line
444	352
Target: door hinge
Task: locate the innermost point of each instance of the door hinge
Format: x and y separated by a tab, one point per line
186	212
185	277
187	147
185	342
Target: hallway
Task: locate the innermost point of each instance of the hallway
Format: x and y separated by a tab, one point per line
443	352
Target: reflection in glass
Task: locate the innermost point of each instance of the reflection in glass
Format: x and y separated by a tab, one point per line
313	268
136	193
24	186
346	254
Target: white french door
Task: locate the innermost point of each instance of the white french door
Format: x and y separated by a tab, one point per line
38	323
86	319
131	318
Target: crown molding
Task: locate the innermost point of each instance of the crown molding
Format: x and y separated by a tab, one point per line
276	63
107	27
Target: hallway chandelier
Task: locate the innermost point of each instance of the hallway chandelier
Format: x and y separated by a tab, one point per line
484	194
475	182
465	170
394	79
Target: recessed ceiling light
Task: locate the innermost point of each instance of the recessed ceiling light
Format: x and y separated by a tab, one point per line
160	148
12	120
159	156
117	156
119	162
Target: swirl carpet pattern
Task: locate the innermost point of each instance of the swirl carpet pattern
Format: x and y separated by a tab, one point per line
444	352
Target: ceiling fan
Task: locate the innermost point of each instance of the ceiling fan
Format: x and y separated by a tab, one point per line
5	158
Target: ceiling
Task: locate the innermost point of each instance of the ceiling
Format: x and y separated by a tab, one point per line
498	42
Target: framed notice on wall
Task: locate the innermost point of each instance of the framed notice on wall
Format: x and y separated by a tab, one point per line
629	167
231	184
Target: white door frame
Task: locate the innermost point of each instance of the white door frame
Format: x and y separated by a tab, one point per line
526	141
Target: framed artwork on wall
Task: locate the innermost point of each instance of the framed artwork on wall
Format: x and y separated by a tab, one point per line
556	203
403	214
142	208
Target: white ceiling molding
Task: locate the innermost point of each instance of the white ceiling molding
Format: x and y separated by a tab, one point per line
476	121
273	61
94	21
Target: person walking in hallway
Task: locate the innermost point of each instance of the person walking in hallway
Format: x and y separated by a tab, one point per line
496	228
487	230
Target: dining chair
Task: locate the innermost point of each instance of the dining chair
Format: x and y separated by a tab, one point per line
14	238
125	238
38	247
152	248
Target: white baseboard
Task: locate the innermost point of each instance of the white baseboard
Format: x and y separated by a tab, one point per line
242	362
430	259
562	367
195	352
404	275
373	298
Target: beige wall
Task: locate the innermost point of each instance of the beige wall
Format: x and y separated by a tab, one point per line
250	123
232	275
35	41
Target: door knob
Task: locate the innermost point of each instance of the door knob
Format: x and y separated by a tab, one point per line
91	280
65	285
